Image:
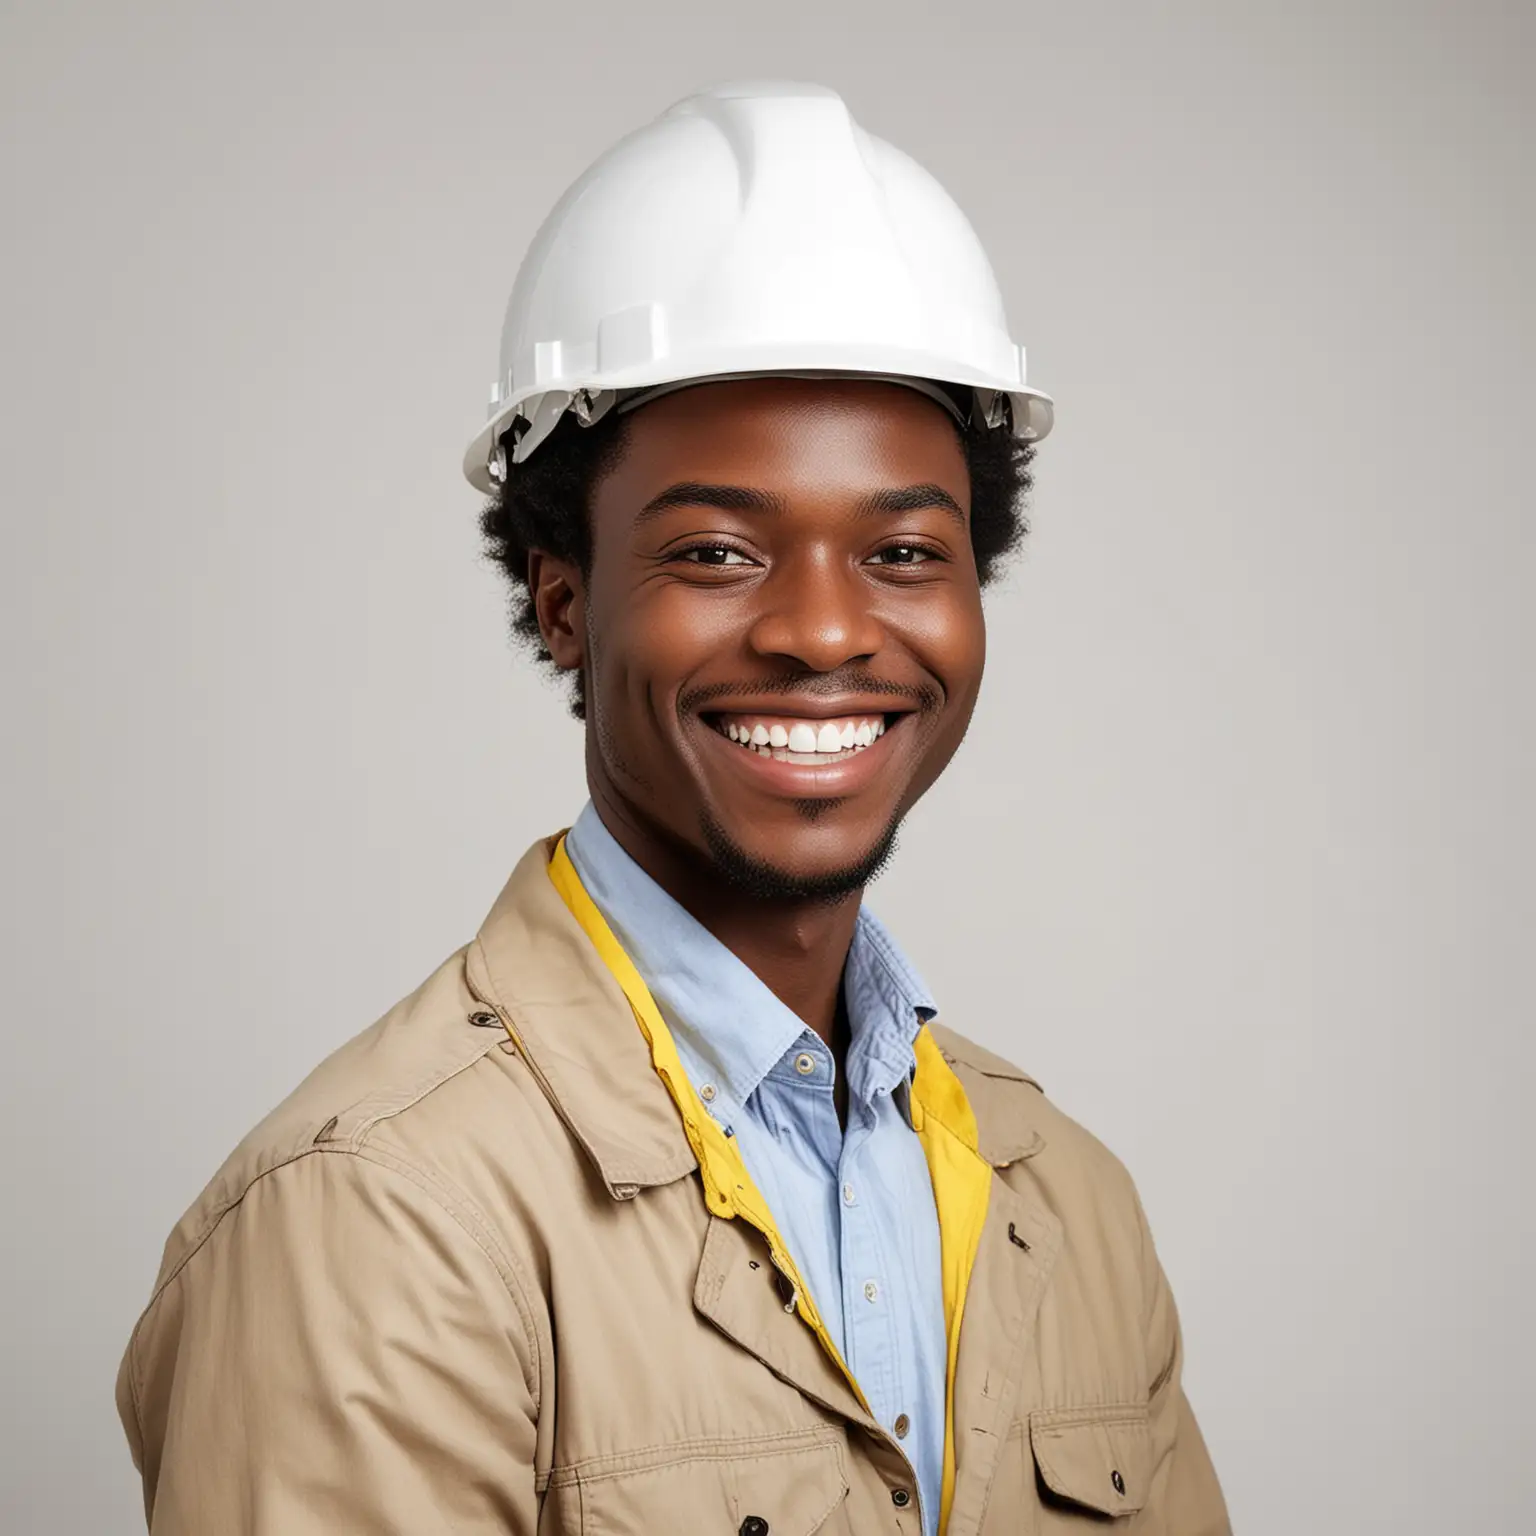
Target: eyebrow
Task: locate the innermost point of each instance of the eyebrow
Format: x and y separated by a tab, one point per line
910	498
695	493
745	498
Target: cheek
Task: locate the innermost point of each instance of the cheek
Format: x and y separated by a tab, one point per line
947	633
646	642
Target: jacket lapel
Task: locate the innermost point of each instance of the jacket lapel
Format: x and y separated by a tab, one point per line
1019	1245
736	1291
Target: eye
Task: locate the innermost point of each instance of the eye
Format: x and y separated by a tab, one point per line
904	554
713	555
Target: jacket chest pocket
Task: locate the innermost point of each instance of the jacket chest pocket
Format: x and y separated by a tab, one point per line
731	1488
1067	1469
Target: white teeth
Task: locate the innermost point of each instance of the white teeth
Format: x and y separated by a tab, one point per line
825	740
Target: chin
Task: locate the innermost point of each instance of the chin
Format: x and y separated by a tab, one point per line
821	874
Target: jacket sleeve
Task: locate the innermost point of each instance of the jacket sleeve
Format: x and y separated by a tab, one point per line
342	1354
1185	1497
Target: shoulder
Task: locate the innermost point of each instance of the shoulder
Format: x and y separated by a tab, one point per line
406	1063
1018	1123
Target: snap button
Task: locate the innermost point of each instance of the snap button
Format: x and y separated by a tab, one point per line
805	1063
1118	1481
484	1020
901	1426
900	1497
754	1525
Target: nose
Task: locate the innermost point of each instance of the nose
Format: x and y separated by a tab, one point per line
817	612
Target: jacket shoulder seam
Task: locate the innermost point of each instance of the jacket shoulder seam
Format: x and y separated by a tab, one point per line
367	1110
470	1220
380	1157
331	1136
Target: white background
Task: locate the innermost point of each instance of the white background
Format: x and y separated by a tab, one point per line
1238	859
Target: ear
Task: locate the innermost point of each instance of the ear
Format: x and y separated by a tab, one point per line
559	603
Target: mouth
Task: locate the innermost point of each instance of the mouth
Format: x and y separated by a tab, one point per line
805	741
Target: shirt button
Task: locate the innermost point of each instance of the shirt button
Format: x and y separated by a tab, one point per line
900	1497
848	1195
707	1093
805	1063
871	1290
901	1426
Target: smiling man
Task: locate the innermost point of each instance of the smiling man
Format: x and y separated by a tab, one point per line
668	1204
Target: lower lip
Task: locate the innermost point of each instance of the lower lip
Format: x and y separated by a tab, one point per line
810	780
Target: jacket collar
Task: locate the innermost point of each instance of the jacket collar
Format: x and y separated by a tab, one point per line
532	963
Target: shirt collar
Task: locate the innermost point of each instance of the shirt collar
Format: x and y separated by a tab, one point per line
727	1023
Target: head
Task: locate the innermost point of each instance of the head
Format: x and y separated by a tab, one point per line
767	596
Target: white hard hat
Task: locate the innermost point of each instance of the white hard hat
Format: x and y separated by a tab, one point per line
754	228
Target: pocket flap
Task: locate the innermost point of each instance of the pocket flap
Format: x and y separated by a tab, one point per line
1100	1457
779	1486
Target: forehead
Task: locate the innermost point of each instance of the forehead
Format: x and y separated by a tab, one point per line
821	439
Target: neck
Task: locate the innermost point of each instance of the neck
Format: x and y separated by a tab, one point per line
796	948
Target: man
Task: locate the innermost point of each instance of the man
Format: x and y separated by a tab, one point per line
667	1205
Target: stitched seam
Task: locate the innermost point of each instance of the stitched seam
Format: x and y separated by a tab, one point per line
588	1479
234	1205
986	1498
595	1469
1089	1413
387	1106
467	1216
1045	1263
215	1220
302	1148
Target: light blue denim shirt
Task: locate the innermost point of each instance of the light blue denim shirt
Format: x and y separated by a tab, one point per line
855	1208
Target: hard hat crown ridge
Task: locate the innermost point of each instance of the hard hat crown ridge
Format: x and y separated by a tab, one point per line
751	228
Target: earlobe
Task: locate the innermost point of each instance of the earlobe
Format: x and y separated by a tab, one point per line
558	597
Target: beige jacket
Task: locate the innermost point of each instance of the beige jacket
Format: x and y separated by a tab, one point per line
454	1286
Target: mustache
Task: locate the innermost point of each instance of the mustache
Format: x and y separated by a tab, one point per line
814	685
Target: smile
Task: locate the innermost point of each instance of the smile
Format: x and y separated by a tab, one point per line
794	739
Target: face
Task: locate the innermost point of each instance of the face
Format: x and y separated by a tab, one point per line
781	631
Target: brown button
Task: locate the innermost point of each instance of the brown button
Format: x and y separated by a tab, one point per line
901	1426
900	1497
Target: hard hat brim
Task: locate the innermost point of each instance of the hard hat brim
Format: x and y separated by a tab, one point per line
1033	411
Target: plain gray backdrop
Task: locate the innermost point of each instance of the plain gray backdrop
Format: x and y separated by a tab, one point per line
1237	858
